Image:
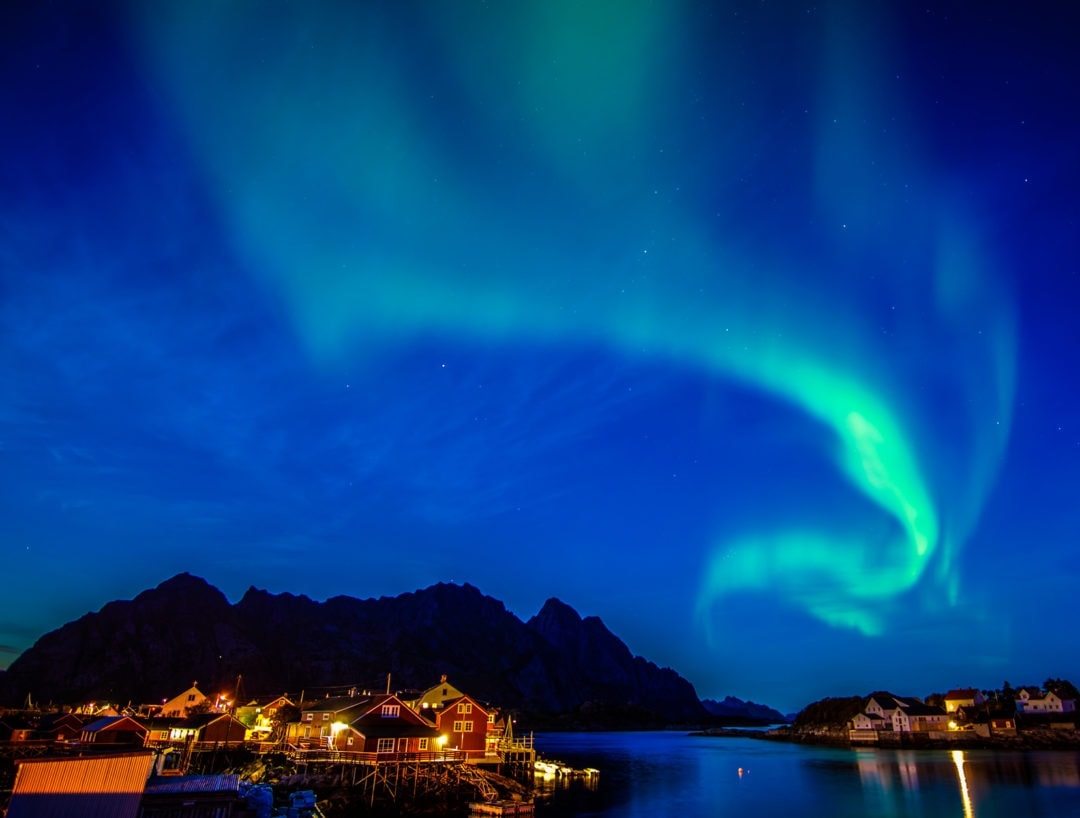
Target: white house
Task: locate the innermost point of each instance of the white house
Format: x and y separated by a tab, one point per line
1031	700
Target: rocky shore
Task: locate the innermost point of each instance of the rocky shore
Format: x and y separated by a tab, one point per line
1035	739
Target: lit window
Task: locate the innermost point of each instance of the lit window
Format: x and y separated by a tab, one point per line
349	741
326	717
307	716
391	711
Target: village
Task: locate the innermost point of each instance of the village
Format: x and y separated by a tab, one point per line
379	746
1011	717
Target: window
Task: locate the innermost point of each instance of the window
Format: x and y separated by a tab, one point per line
307	716
326	717
191	697
423	744
468	727
391	711
491	718
464	707
458	728
386	745
349	741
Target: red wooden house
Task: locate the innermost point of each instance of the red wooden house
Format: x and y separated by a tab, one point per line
60	727
220	728
386	725
464	723
317	720
114	730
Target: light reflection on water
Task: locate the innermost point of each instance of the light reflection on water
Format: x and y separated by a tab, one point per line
651	774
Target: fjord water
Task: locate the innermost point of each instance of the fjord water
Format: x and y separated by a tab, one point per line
668	773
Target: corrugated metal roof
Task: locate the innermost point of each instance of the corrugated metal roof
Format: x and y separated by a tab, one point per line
108	786
188	784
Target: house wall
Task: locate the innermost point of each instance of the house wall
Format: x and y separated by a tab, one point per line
465	726
128	737
226	730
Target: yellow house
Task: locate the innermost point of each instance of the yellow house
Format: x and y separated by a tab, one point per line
962	697
435	697
180	705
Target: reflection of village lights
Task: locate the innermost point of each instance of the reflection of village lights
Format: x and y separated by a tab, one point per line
965	796
952	725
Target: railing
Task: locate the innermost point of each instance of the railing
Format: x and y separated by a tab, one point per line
205	746
323	756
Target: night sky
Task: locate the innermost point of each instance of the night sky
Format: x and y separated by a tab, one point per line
750	328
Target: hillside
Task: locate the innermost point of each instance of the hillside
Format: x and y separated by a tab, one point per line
557	665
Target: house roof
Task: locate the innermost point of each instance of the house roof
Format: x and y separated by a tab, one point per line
392	728
50	720
920	709
164	722
193	784
449	703
98	786
263	701
373	713
962	693
336	704
112	722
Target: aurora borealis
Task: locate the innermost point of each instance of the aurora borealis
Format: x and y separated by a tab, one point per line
689	315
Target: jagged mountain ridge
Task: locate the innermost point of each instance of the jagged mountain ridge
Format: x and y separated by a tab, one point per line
733	708
185	630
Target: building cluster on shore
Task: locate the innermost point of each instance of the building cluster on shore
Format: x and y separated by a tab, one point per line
1029	715
157	745
962	712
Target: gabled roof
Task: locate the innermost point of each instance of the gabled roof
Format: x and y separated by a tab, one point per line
962	693
373	713
112	723
434	693
449	703
95	785
920	709
194	784
392	728
336	704
263	701
50	720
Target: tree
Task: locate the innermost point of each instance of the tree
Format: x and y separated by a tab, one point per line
1062	688
285	714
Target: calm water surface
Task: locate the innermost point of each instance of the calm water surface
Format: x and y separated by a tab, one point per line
659	774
